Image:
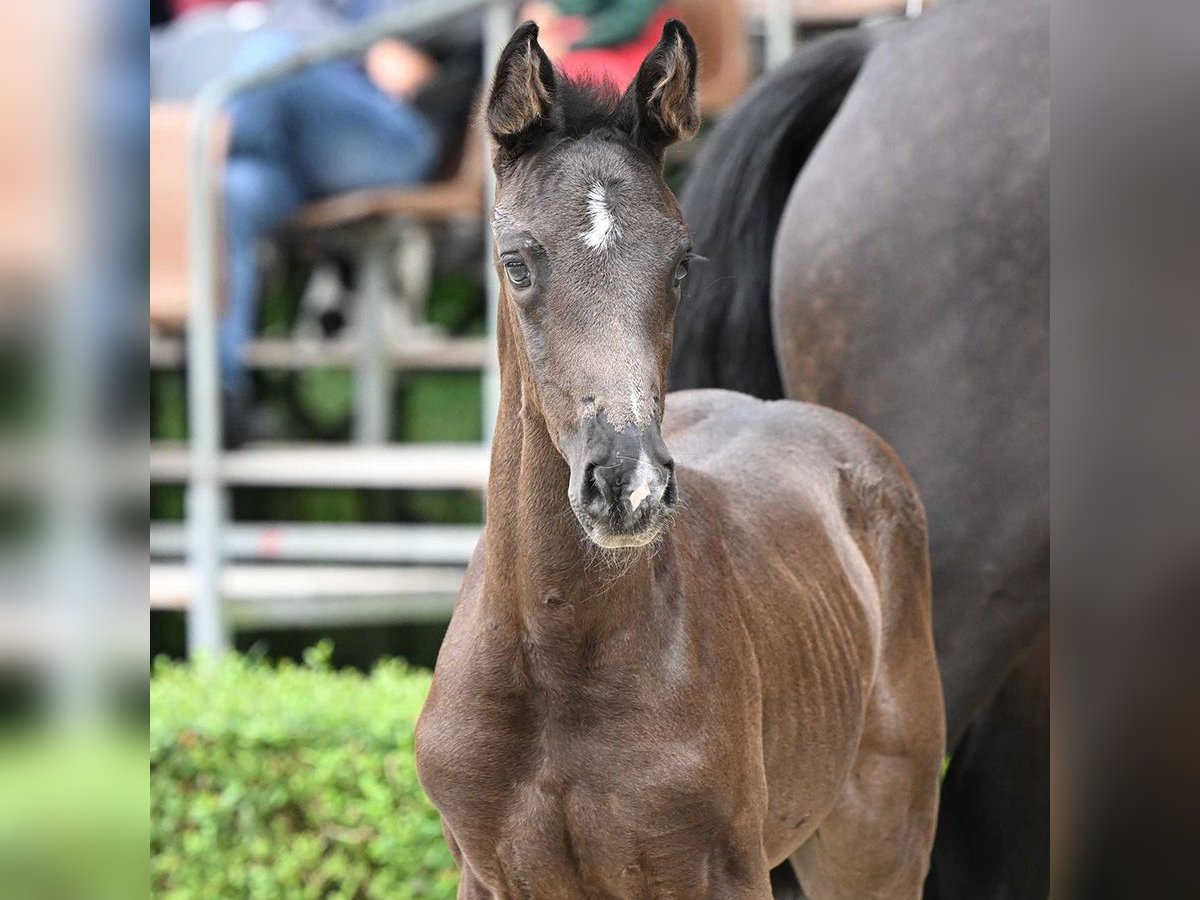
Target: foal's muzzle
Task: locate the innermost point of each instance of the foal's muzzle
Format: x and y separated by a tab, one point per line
623	484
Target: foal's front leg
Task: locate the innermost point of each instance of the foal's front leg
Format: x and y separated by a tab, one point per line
469	885
738	872
751	886
471	888
757	887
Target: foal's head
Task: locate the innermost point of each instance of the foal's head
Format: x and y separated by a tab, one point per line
591	251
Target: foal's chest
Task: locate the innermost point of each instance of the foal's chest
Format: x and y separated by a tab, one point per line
579	799
634	827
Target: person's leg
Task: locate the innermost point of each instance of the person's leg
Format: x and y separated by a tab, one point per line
322	132
337	128
259	196
260	192
347	135
260	116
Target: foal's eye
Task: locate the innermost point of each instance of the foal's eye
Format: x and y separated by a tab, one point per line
681	271
517	273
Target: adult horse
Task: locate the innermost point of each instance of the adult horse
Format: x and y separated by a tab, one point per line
875	216
665	675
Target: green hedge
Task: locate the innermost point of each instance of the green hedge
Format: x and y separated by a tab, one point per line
290	781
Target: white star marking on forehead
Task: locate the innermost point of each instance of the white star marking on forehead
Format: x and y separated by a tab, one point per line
604	227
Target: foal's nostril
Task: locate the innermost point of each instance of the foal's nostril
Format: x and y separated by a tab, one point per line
592	490
671	493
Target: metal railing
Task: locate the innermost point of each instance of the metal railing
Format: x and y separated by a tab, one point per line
206	501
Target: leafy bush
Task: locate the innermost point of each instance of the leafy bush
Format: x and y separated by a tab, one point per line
290	781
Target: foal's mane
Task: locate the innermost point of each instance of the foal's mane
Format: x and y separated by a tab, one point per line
586	106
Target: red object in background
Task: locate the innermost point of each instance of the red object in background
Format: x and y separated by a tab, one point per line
620	64
179	7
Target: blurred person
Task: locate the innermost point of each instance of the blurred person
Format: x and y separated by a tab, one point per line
385	121
598	38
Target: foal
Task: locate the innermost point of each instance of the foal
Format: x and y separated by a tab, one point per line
664	678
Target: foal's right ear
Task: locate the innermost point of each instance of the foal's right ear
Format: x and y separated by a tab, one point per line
520	106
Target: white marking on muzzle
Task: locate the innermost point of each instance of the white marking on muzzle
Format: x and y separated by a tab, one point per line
639	494
603	228
644	477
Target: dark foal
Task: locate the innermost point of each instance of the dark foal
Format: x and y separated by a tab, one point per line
665	676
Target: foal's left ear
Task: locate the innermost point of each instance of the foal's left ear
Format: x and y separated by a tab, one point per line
662	99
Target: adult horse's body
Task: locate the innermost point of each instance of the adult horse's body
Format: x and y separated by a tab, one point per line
666	675
876	219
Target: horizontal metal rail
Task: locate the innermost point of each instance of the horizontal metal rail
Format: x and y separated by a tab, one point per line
172	586
351	542
307	596
343	611
468	354
389	467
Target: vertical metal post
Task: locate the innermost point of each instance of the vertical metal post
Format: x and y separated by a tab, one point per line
779	31
415	258
497	28
206	629
372	377
71	557
74	559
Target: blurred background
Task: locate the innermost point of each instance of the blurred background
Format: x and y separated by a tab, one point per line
310	241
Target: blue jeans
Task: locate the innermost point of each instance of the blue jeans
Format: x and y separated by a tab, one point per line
325	131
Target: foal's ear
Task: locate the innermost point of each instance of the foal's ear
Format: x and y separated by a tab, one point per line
663	95
521	102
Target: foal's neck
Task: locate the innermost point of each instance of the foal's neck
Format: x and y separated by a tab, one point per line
546	576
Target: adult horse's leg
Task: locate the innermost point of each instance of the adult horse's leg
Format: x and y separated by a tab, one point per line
998	776
784	884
